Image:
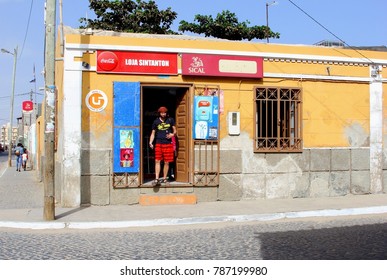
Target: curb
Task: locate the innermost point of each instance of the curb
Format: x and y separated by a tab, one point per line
194	220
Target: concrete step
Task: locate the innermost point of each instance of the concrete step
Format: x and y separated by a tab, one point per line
167	199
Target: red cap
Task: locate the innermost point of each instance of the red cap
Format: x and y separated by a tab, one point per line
162	110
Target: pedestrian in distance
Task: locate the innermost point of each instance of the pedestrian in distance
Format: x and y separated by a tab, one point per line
19	151
163	130
25	159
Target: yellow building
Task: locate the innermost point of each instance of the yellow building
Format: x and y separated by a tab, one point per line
253	120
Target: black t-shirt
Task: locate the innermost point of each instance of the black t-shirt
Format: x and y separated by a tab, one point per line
163	128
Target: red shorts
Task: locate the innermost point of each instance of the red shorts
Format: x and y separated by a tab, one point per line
164	152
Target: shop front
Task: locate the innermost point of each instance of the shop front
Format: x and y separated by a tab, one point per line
252	119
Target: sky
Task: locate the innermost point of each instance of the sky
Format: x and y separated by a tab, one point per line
306	22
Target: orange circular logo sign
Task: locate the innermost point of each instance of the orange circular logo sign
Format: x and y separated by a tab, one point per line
96	100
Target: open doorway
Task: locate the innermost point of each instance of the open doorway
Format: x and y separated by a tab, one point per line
176	99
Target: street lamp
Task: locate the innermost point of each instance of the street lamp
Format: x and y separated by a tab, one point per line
12	100
267	18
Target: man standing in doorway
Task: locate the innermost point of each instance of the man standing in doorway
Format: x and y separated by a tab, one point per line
163	130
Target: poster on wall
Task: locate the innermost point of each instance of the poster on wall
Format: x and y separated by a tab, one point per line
127	149
206	117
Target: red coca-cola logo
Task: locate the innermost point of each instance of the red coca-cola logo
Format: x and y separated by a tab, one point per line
107	61
204	103
27	106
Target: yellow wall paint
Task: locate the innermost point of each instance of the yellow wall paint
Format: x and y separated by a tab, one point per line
332	110
191	42
314	68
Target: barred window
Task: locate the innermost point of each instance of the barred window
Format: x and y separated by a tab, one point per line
278	116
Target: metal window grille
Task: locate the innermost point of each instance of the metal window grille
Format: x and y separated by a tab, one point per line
206	152
278	116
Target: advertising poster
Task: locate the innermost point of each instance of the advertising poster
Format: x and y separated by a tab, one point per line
126	150
206	117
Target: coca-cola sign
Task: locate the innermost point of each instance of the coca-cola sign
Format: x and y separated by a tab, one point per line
107	61
27	106
136	62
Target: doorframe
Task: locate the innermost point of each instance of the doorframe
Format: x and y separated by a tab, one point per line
189	92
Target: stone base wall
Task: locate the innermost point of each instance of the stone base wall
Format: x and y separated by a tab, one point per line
312	173
318	172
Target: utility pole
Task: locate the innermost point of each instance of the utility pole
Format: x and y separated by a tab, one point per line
49	113
267	18
267	22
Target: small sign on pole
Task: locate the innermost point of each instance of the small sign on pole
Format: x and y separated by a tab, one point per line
28	106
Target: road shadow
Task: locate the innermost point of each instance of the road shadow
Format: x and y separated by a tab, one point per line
361	242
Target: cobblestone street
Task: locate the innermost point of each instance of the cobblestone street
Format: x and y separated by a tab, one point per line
345	238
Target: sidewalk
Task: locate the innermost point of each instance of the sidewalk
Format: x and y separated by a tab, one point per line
21	206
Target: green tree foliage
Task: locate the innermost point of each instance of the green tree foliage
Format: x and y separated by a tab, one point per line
130	16
226	26
139	16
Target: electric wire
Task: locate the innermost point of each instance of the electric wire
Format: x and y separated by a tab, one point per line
27	28
330	32
22	94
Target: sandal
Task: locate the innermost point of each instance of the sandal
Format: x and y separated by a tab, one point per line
156	182
164	180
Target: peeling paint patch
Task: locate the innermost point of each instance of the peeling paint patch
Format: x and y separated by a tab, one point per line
319	185
264	176
384	151
356	135
253	186
50	103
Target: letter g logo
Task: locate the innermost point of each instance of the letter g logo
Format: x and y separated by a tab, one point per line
96	100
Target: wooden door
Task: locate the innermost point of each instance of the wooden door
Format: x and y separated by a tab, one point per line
183	134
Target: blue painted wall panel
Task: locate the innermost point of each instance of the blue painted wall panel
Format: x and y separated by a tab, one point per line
126	134
126	104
